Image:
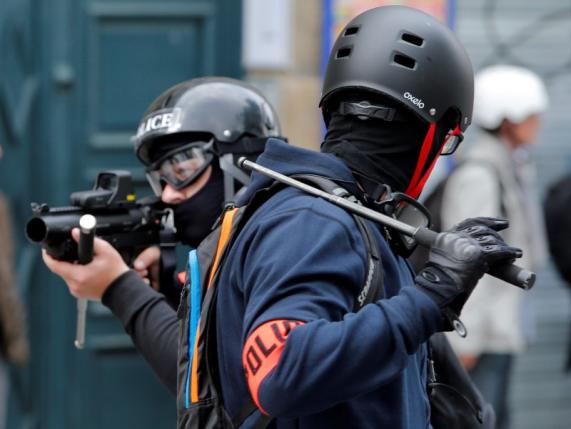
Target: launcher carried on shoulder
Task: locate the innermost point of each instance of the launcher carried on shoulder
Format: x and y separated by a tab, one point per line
129	225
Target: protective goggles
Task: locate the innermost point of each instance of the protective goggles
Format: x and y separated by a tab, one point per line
452	141
180	167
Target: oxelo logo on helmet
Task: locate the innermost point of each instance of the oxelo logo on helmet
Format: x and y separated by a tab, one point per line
416	101
161	120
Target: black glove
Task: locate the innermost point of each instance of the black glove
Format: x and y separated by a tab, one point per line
458	259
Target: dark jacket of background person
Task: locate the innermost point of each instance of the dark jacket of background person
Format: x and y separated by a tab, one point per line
13	342
557	210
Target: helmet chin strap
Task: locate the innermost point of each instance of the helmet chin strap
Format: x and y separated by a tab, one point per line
424	179
231	173
418	180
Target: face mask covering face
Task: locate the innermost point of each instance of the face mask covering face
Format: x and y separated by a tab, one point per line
381	152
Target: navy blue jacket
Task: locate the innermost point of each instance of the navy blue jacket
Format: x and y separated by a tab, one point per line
296	268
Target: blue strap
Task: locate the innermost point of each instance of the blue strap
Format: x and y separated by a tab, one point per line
194	278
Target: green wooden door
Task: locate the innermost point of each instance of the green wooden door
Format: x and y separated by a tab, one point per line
75	78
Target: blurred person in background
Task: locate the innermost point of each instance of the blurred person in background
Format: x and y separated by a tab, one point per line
188	140
13	341
496	178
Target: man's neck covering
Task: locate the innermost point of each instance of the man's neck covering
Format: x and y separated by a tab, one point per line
194	217
380	152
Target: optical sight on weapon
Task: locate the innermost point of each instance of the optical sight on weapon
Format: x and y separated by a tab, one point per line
129	225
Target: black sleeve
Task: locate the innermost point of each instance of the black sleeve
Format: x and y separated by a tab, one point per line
150	321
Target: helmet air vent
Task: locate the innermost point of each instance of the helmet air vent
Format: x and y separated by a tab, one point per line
405	61
351	31
344	52
411	38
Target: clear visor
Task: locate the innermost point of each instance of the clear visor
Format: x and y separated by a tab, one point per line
452	141
180	168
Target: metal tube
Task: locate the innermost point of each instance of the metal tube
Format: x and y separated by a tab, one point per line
87	225
510	273
339	201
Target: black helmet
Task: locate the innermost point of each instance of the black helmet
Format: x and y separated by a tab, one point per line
233	115
407	55
225	108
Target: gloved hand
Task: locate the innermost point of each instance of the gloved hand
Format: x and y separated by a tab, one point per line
459	258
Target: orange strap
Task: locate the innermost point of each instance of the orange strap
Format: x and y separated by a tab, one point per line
225	232
262	352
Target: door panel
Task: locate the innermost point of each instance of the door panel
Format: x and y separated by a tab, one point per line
76	77
135	56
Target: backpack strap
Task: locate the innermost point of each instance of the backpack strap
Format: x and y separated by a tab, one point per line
501	189
487	165
372	290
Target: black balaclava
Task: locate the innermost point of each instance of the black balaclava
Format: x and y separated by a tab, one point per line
194	217
378	151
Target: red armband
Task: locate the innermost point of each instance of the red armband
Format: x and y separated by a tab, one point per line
262	352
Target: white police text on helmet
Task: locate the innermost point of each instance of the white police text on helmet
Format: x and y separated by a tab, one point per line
163	120
416	101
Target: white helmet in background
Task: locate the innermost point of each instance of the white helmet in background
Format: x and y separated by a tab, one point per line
507	92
